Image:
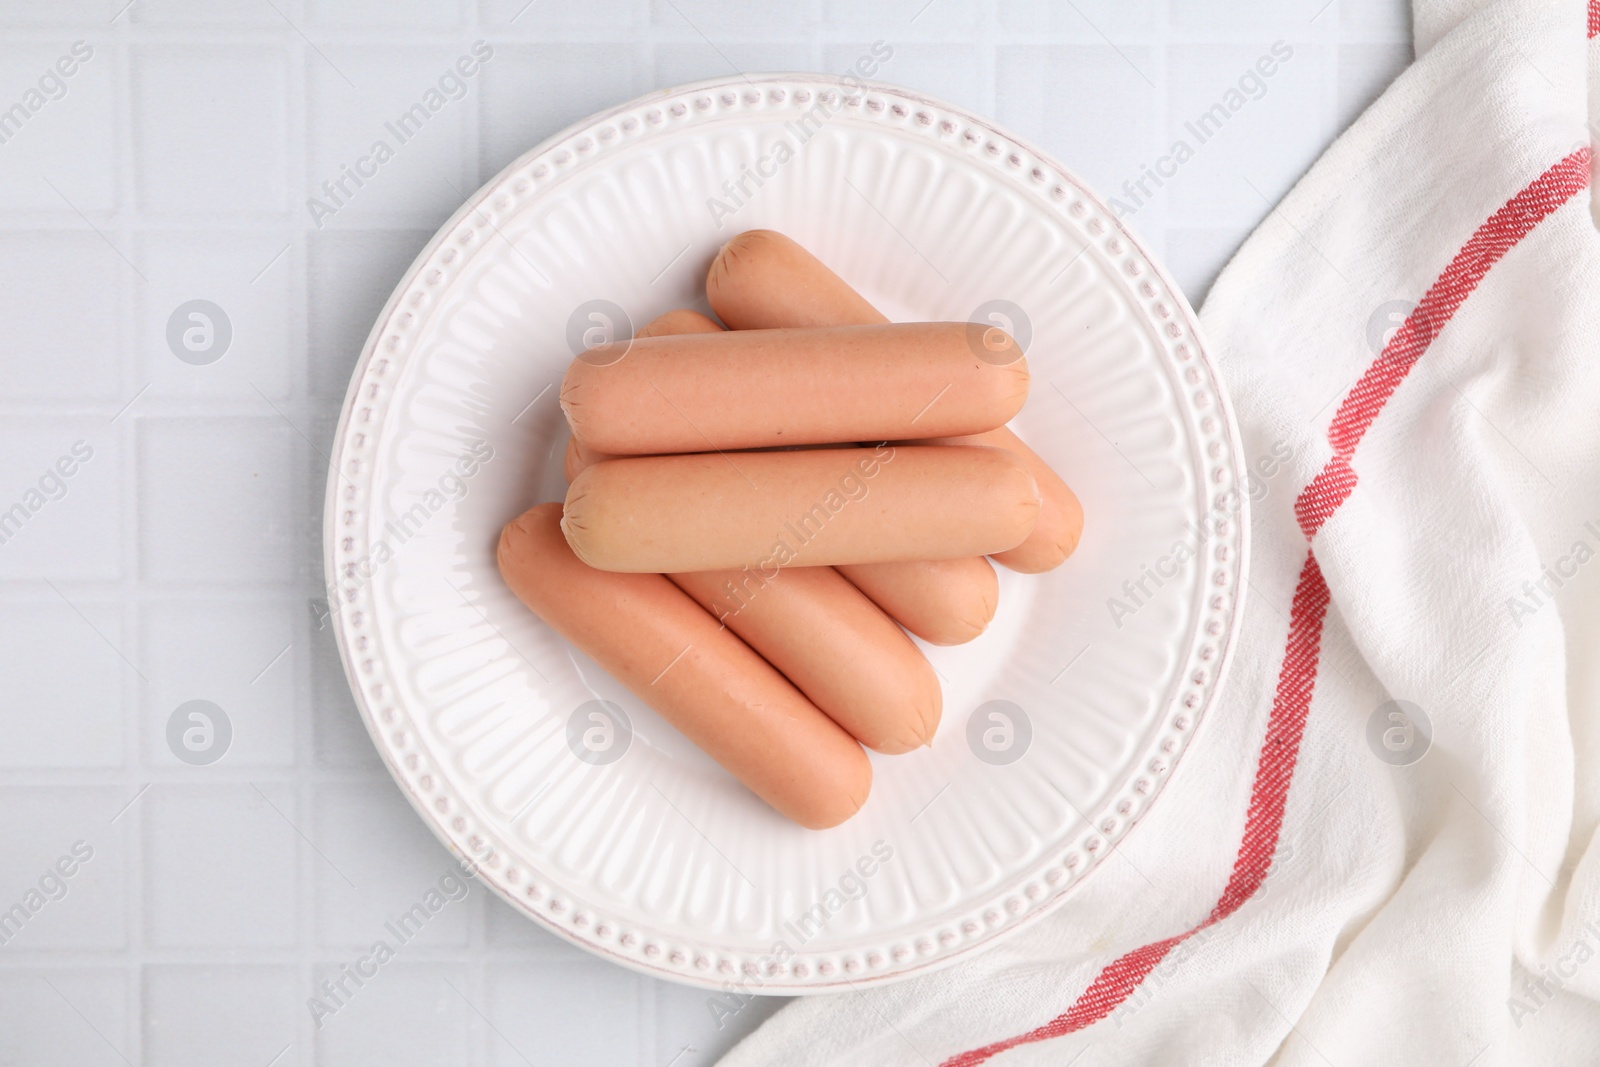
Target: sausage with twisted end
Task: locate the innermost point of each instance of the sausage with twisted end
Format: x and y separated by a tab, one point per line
679	320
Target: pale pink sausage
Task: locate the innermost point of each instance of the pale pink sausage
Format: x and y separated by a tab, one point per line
942	601
763	280
810	507
834	644
654	639
1055	536
679	320
766	388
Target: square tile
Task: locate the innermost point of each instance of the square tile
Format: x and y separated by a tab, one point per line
1085	19
201	886
1289	15
58	346
1252	134
244	656
243	346
76	13
219	500
387	877
349	279
57	659
200	1016
586	1011
210	128
60	499
397	145
207	13
895	20
543	19
1095	110
58	145
68	867
65	1015
532	92
722	21
405	1015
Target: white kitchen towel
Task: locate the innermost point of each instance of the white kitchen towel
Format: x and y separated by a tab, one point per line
1381	848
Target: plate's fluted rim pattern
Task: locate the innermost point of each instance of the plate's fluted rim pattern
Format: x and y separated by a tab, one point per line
673	954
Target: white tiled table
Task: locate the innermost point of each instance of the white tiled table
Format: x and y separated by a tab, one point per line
181	560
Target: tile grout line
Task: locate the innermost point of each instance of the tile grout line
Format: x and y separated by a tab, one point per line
298	123
131	299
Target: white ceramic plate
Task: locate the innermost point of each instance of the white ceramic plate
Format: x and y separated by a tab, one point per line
644	850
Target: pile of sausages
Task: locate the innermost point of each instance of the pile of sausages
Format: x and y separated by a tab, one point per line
754	513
